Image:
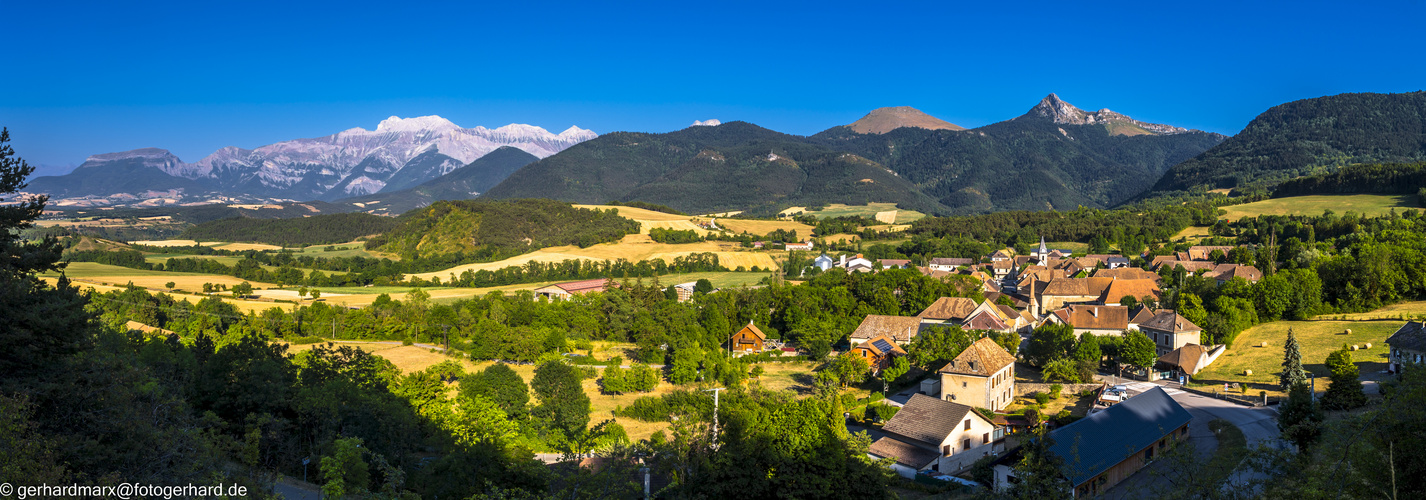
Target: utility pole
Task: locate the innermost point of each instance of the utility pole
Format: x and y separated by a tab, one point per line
715	392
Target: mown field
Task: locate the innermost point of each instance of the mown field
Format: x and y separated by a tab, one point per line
1364	204
869	210
1192	234
634	248
1400	312
1317	340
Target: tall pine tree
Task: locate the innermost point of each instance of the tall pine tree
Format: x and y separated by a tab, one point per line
1292	372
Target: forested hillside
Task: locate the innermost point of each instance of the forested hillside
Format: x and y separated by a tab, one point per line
301	231
733	166
1028	163
1307	137
1388	178
491	230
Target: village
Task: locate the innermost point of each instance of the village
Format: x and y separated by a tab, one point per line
965	414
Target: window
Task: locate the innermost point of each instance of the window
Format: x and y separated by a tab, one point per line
946	450
966	444
1149	454
985	438
1162	443
963	385
967	424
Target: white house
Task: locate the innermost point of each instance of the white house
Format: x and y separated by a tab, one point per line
931	434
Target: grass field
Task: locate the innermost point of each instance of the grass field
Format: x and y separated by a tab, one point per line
117	275
244	306
634	248
762	227
869	210
1073	246
1192	234
1400	312
1362	204
1317	338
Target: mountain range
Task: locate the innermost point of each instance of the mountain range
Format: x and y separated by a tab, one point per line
399	154
1056	156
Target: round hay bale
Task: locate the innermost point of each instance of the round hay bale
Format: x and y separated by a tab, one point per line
1354	348
1264	344
1349	331
1247	372
1369	346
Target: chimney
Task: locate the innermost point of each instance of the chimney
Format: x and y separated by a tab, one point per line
1094	311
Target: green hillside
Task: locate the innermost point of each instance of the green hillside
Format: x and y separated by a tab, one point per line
736	165
1307	137
461	184
489	230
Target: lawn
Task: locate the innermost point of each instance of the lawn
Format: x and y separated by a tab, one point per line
1317	338
1362	204
869	210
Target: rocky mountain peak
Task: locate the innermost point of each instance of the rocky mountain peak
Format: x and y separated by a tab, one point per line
883	120
154	157
1064	113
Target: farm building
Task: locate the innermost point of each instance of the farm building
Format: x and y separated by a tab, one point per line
563	291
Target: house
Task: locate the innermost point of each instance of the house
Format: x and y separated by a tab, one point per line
1096	319
759	244
1142	290
999	256
1226	272
823	262
1189	266
855	262
948	263
933	434
1110	261
878	352
1104	448
1138	315
1203	252
1170	331
894	263
748	340
804	246
685	290
1408	345
564	291
1126	273
1001	268
1059	292
1188	360
947	310
983	375
901	329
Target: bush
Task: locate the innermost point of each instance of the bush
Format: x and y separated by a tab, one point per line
1042	398
883	411
306	340
1055	390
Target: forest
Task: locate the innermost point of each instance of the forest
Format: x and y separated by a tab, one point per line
485	230
1386	178
294	232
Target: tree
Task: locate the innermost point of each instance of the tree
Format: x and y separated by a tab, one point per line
1039	469
1129	301
301	292
344	472
1345	393
1138	351
563	402
685	365
477	420
170	285
243	289
502	386
643	378
615	380
1300	418
1062	370
899	366
702	286
1050	342
1292	373
849	368
314	294
1087	356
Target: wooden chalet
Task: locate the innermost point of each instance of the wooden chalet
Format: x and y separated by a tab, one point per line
748	340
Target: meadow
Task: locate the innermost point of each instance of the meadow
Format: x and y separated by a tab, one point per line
885	212
634	248
1362	204
1316	338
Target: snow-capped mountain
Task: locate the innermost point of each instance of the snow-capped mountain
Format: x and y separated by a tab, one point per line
400	153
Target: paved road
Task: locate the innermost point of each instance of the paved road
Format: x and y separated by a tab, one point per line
294	489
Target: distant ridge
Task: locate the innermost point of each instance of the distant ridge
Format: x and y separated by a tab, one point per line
1063	113
883	120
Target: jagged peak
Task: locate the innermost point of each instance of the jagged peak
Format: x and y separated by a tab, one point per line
711	122
1064	113
417	124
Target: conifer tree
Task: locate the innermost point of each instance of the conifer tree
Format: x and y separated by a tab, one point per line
1292	372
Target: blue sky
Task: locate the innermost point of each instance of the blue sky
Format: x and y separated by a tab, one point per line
192	77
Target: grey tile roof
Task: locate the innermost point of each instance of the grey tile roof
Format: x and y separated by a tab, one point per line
903	452
1093	444
927	419
1411	336
1166	320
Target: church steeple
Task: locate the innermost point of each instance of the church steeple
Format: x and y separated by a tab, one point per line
1043	250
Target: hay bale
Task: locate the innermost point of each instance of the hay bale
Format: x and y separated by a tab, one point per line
1369	346
1349	331
1247	372
1264	344
1354	348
